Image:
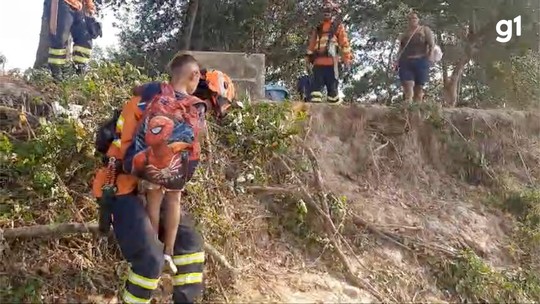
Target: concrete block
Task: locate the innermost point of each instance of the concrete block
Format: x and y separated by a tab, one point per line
247	71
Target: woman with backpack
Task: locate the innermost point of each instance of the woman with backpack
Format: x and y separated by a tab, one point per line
415	56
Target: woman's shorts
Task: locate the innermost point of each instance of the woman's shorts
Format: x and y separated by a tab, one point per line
414	69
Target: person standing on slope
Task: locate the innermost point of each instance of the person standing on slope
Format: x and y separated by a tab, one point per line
70	17
118	192
322	54
416	46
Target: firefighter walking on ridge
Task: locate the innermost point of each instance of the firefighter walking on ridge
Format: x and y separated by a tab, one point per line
322	55
70	17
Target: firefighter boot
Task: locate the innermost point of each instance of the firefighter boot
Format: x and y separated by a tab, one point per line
56	72
81	69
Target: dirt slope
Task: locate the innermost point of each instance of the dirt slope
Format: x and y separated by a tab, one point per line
402	172
426	177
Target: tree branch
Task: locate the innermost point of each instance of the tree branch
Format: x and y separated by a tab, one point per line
59	230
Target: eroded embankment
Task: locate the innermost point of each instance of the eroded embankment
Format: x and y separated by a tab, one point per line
443	187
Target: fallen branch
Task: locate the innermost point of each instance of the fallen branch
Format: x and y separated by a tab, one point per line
14	114
360	222
397	240
333	231
59	230
43	231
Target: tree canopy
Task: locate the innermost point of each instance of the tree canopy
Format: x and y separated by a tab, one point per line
473	67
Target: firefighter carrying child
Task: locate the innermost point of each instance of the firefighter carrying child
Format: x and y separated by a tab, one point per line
151	149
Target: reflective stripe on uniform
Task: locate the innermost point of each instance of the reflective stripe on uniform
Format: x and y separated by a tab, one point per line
334	99
316	96
57	52
57	61
120	124
117	143
82	50
188	278
141	281
80	59
141	105
186	259
127	297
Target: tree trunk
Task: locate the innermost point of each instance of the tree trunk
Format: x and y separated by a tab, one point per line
471	45
199	42
451	85
190	22
42	52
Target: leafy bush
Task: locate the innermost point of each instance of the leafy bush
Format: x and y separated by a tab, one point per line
514	83
474	280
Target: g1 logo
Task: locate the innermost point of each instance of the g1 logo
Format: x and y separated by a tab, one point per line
506	34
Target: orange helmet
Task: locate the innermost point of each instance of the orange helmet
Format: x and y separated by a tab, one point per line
331	6
216	88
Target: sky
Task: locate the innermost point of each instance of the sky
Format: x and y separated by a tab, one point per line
20	23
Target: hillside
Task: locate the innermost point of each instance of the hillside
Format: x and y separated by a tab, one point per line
308	203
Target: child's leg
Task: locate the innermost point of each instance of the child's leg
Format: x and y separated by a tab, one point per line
154	197
172	219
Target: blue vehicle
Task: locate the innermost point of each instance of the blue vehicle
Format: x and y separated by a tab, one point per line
276	93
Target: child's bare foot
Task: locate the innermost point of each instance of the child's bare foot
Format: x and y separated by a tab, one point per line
169	264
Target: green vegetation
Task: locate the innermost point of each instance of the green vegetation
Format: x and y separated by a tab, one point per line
469	278
46	174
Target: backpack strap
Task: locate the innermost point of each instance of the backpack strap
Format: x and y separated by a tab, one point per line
408	41
195	101
332	32
319	33
167	90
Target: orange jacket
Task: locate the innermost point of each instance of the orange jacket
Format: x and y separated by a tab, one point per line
126	126
78	5
318	44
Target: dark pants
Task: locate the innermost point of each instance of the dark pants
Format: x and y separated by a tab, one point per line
414	69
141	247
324	76
63	22
303	87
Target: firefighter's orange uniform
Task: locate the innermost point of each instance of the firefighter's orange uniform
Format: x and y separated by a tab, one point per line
125	126
322	53
79	4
